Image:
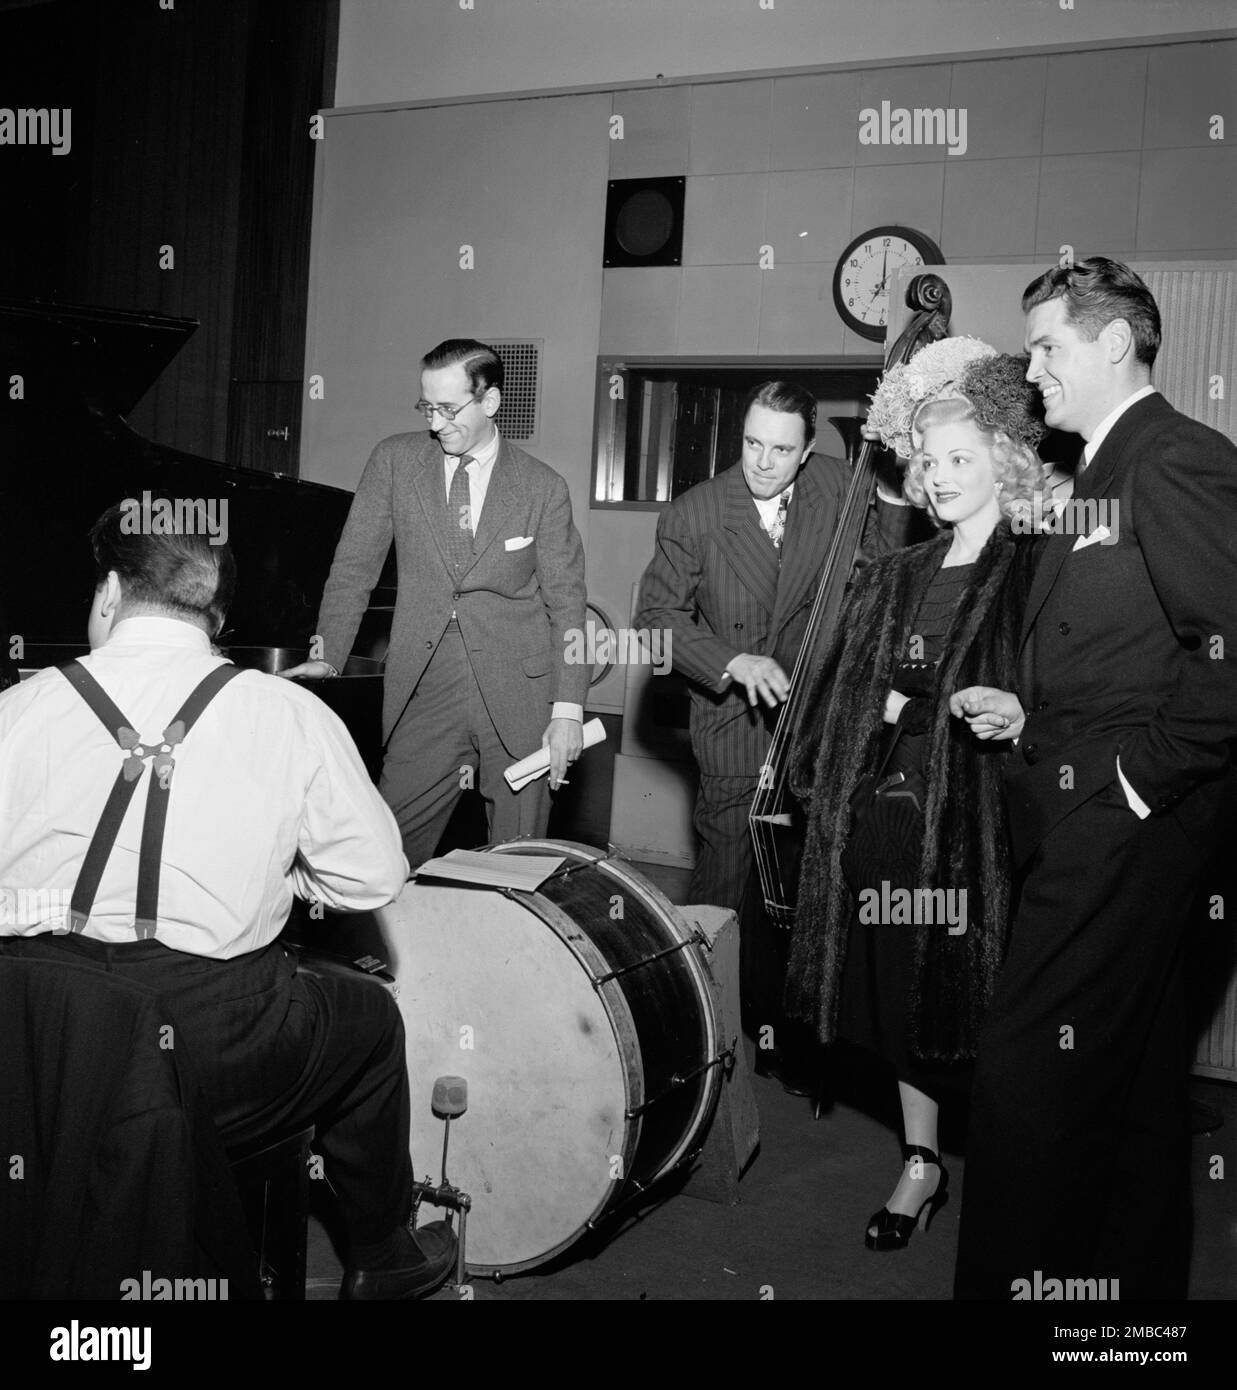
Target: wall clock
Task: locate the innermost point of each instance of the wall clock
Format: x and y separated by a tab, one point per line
865	268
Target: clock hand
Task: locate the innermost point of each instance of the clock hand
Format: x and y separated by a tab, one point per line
884	280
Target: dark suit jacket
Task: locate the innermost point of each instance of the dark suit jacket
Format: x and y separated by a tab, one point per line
124	1170
1119	642
714	584
514	606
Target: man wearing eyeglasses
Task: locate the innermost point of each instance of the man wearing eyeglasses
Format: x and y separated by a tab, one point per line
491	579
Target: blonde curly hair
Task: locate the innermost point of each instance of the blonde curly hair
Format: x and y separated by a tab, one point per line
1015	465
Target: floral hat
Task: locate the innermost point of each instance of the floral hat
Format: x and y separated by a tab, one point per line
935	370
1003	399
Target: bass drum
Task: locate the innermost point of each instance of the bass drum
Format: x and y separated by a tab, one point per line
583	1019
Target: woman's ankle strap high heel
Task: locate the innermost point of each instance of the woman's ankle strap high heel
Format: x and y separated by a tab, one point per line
891	1230
910	1151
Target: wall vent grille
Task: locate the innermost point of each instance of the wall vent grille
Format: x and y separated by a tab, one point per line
519	415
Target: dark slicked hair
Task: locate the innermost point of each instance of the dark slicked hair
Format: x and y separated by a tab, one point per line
482	364
183	574
1096	291
787	397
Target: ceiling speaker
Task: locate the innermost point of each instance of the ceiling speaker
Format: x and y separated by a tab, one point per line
644	222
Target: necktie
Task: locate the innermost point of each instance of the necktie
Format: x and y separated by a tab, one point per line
777	527
459	516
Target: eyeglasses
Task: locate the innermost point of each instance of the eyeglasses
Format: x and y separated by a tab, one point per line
448	412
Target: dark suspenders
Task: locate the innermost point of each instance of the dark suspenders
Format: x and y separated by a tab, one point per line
150	857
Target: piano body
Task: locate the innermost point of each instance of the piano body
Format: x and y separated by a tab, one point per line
68	377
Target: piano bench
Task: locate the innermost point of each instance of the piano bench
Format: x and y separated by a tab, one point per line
272	1177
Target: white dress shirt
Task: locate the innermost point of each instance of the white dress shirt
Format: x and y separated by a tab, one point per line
269	798
1090	449
479	474
767	506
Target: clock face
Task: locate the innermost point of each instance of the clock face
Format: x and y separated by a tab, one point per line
866	269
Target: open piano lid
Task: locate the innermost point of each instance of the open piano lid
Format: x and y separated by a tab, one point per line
66	453
113	356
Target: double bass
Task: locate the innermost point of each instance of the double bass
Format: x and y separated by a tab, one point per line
774	820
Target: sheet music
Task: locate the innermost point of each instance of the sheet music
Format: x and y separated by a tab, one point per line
523	872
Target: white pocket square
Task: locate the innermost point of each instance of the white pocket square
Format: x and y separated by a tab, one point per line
1101	533
519	542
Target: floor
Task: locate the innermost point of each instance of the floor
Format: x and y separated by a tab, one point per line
797	1230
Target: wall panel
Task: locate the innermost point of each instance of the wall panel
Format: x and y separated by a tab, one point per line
398	193
420	50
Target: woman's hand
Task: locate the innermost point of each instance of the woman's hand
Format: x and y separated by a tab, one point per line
894	702
991	713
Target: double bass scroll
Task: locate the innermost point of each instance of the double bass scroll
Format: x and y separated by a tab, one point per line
774	819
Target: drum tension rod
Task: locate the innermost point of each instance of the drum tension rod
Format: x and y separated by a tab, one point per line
562	872
697	938
566	869
723	1059
636	1188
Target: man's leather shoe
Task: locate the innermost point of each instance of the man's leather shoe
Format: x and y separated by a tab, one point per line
430	1258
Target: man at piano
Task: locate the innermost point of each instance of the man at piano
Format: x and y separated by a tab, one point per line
180	855
732	581
491	587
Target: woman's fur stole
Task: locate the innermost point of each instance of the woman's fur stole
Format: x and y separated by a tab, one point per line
965	841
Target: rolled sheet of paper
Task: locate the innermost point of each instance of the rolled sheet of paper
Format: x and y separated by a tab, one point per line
537	764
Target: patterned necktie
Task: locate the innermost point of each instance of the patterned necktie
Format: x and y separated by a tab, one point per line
777	527
459	516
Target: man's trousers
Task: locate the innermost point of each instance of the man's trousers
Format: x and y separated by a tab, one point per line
1077	1157
276	1049
444	744
725	876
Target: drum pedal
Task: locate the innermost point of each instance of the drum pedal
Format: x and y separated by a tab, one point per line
450	1099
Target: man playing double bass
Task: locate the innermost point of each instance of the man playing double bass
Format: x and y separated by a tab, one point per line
732	581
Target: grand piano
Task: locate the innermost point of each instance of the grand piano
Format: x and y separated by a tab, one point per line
69	375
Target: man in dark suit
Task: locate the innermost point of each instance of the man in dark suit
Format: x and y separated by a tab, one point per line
1077	1159
491	586
732	582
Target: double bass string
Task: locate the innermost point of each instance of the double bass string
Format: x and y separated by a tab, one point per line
929	296
773	788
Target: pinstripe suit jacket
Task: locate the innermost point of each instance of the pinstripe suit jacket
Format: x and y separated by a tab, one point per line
714	584
515	605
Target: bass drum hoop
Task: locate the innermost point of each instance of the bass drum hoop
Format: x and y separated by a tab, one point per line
670	917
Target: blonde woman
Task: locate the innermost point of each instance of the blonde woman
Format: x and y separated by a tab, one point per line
899	796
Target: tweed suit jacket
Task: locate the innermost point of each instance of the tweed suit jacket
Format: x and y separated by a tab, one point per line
1127	648
515	602
715	586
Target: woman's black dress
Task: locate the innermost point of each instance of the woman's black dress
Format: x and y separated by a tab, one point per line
874	1007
